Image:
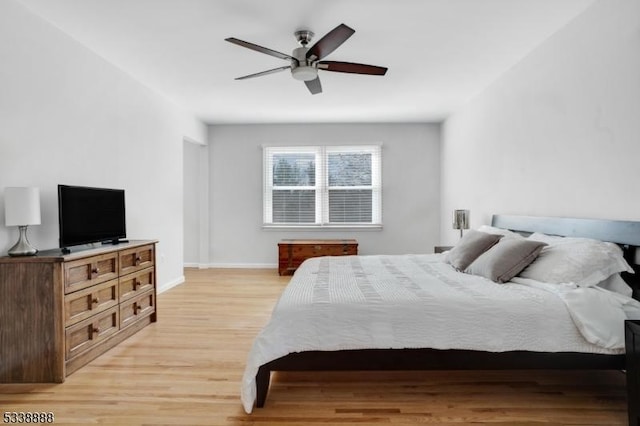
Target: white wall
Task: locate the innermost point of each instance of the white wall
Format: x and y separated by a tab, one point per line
557	135
410	185
67	116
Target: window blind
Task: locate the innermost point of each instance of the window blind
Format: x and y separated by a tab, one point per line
322	185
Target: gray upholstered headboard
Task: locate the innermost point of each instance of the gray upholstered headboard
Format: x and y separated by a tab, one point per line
615	231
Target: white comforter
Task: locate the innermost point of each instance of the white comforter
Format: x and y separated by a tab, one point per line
418	301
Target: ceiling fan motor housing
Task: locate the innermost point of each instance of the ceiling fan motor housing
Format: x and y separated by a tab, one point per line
301	68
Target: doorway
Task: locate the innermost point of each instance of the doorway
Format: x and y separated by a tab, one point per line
195	204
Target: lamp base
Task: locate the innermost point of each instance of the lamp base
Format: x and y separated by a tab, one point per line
22	247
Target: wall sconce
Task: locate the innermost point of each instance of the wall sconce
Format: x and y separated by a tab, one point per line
21	209
461	220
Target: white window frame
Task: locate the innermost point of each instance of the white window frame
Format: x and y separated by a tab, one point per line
321	187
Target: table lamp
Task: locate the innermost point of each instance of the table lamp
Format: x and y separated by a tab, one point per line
461	220
21	209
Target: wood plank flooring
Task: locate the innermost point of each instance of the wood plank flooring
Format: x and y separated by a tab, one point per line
186	370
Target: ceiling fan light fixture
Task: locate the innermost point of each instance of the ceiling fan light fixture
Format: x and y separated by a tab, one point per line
304	73
305	61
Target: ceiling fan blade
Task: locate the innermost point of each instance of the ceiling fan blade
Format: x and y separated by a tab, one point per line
314	86
330	42
259	74
260	49
351	67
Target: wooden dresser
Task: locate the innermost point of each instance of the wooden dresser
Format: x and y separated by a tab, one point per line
60	311
291	253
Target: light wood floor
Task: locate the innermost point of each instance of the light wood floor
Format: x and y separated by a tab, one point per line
186	370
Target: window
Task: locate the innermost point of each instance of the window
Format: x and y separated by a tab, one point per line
322	186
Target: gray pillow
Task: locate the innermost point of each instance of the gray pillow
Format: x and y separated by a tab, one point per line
506	259
472	245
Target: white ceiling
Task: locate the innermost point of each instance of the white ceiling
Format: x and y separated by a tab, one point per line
440	53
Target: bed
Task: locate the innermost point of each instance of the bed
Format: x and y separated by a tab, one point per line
314	326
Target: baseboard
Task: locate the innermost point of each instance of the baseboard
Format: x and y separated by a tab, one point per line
197	265
233	265
167	286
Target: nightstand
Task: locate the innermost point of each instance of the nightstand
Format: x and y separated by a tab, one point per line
632	338
441	249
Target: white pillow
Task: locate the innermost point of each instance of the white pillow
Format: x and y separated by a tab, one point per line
616	284
499	231
551	239
581	261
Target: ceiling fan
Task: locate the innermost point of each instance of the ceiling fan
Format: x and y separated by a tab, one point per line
306	61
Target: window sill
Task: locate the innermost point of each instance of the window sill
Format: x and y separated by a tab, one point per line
322	227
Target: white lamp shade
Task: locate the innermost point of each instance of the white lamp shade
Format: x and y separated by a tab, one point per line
21	206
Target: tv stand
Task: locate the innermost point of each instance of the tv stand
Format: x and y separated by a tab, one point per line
59	311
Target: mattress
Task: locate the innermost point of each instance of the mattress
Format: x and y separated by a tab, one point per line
410	301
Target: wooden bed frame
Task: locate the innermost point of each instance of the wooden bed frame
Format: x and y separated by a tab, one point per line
626	234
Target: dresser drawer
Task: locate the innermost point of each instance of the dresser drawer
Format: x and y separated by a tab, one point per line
85	303
136	283
136	308
86	334
82	273
137	258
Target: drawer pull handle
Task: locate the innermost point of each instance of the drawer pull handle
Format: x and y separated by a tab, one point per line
95	300
138	260
96	330
95	270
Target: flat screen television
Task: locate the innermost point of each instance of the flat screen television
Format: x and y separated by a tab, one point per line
89	215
